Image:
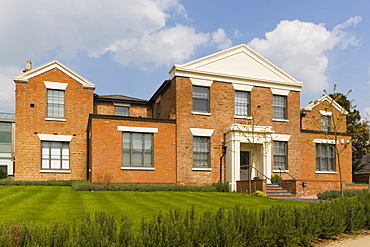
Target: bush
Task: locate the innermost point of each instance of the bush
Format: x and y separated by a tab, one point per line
221	186
257	193
10	182
87	186
276	179
332	194
3	174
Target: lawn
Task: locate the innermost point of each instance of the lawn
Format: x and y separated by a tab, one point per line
46	204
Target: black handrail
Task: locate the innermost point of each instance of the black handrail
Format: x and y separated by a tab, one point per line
286	173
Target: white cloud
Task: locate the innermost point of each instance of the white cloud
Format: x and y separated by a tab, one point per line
7	88
164	47
95	27
138	32
299	48
220	39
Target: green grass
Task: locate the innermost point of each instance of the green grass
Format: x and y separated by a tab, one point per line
46	204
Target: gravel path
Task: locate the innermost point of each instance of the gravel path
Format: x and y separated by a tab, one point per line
360	241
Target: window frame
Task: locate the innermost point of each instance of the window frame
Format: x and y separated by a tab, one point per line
131	151
118	111
245	107
61	159
6	150
325	157
205	140
277	109
49	114
276	156
195	99
326	123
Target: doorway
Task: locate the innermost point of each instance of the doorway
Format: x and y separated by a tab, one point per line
244	165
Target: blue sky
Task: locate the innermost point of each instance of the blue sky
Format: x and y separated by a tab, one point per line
128	47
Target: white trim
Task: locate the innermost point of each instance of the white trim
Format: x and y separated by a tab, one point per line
201	82
61	138
327	98
323	141
243	117
201	132
201	113
55	119
326	172
23	78
280	92
325	113
55	85
138	168
55	171
202	169
121	104
137	129
280	137
280	120
241	87
278	171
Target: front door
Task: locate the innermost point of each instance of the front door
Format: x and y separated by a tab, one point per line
244	165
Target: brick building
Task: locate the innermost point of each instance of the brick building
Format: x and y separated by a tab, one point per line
230	116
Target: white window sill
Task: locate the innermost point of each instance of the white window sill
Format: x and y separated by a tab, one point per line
280	120
138	168
55	171
55	119
278	171
326	172
202	169
201	113
243	117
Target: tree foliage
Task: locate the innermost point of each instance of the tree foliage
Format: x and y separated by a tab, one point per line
358	127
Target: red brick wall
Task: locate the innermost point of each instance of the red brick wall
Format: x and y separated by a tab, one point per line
222	115
106	152
258	184
107	108
308	159
312	121
78	105
167	99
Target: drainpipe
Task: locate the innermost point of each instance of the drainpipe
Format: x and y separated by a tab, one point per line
222	156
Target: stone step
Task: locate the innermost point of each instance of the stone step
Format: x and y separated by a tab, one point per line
276	191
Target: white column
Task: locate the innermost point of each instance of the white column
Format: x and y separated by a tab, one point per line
233	163
267	164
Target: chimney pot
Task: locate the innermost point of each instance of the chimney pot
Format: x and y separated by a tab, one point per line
28	66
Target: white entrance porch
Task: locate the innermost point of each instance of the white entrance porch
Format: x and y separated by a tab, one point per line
248	146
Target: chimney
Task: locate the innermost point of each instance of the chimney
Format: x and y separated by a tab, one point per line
28	66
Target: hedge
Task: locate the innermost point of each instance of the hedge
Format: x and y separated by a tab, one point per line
281	225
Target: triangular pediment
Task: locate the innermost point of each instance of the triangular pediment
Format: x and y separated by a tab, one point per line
237	63
49	66
329	100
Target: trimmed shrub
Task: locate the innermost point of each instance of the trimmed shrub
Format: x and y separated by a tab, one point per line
87	186
10	182
332	194
221	186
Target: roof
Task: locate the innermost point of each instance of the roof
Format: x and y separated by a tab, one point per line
327	98
7	117
239	64
51	65
120	98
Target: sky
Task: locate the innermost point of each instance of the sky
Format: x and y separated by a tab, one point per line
128	46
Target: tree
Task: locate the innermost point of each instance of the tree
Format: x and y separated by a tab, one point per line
358	127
